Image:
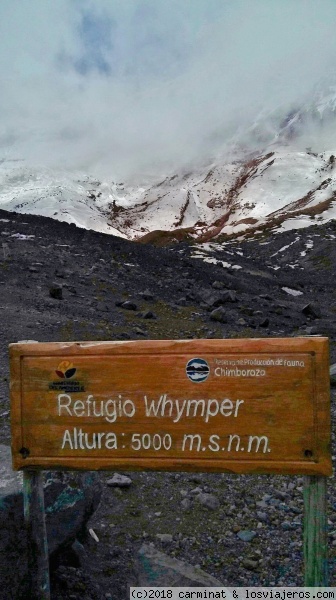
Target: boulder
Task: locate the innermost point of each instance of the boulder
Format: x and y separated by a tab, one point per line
165	538
264	323
129	305
70	499
156	569
229	296
181	301
312	310
246	535
126	304
121	481
56	292
212	298
147	295
148	314
208	500
218	314
218	285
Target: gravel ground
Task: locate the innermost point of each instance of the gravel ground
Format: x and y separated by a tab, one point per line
244	530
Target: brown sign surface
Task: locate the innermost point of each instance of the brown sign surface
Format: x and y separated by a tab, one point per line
202	405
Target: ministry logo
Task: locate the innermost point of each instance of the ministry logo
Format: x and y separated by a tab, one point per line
65	372
197	370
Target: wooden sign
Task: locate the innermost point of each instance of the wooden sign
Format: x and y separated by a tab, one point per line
242	406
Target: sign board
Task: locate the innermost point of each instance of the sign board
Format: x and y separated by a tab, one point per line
241	406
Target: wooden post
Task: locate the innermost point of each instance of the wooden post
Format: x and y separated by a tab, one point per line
315	532
38	559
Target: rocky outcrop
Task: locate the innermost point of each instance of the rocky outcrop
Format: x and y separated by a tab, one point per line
70	500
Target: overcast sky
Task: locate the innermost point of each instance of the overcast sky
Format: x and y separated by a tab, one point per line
122	88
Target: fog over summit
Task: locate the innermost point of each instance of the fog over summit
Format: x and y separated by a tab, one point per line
140	89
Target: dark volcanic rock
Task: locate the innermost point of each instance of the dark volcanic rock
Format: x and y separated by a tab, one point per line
219	314
129	305
216	298
147	295
218	285
70	500
56	291
148	315
311	310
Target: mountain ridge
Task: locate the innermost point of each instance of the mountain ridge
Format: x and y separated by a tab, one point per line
275	173
274	191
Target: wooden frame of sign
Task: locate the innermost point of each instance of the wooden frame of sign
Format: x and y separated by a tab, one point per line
240	406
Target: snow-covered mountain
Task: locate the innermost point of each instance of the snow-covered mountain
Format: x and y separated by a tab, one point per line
266	181
278	190
73	198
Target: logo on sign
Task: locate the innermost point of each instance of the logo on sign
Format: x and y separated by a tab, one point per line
65	370
197	370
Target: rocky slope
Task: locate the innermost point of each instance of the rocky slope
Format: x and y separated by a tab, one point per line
275	190
59	282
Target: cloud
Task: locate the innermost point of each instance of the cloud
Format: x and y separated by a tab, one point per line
126	89
95	33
